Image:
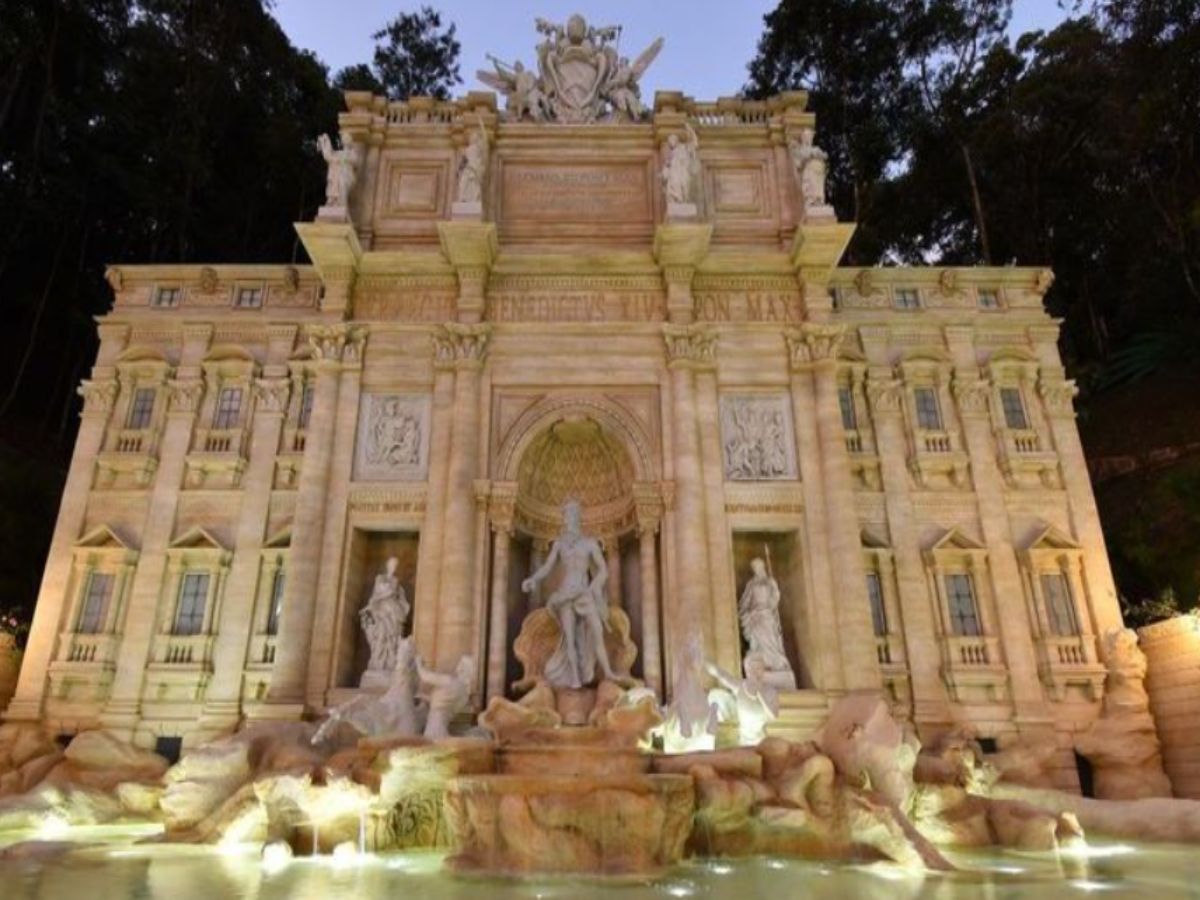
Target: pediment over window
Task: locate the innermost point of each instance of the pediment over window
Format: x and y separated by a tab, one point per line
954	539
196	538
871	540
1051	538
103	537
280	540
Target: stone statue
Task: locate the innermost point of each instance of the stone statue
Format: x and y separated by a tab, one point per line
448	695
383	617
810	162
472	170
751	702
682	168
579	605
758	611
394	712
580	77
691	718
341	172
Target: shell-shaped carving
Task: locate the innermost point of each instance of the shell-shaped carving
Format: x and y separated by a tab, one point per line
539	639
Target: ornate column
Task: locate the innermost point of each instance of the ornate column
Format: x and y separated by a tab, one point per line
222	706
885	396
98	399
649	517
1058	395
687	348
285	698
467	346
1012	624
184	394
816	346
429	549
501	510
612	559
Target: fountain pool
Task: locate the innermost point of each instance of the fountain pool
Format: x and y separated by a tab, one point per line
109	864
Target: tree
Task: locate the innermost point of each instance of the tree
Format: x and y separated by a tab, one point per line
413	57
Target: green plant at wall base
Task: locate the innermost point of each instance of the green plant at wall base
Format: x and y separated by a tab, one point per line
14	623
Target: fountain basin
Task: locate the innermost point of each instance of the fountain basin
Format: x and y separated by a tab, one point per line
612	825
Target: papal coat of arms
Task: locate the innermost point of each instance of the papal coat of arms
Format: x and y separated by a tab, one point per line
581	76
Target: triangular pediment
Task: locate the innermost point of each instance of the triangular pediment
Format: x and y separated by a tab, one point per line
955	539
281	539
196	538
103	537
1051	538
873	541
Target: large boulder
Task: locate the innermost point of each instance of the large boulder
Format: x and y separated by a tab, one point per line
869	747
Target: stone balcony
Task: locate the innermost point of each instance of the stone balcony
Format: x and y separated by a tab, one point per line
218	460
1025	460
938	459
1070	661
85	666
973	668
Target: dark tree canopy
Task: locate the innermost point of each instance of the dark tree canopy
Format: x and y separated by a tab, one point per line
414	56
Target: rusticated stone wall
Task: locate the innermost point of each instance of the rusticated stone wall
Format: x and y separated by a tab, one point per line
1172	650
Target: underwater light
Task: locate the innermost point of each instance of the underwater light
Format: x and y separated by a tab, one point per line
1090	886
276	856
680	890
1083	851
720	868
345	854
53	827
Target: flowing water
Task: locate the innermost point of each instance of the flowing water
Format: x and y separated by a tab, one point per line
106	864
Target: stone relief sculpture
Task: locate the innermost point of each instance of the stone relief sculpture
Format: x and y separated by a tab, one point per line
340	174
448	694
472	171
382	618
758	612
811	163
757	438
395	712
579	604
580	77
393	437
681	172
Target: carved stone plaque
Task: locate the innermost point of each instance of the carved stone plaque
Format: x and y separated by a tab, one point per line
393	438
576	192
757	438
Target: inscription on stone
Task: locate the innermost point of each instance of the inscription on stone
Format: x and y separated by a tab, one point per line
749	306
403	307
576	192
577	306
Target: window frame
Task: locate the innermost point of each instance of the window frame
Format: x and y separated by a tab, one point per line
174	291
99	625
930	391
1007	392
953	613
901	297
256	291
182	595
220	420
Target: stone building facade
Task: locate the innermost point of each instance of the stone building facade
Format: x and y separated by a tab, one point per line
710	384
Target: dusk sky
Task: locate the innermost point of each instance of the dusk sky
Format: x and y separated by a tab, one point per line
708	42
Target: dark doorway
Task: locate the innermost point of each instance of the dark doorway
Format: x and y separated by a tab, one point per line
1083	766
169	748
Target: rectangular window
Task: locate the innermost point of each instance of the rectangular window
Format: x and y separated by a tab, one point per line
166	297
276	603
929	414
141	408
248	298
1014	409
95	603
193	595
907	298
964	614
229	408
306	403
846	402
835	300
988	299
1060	608
878	612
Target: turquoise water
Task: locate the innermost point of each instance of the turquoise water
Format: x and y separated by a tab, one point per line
119	869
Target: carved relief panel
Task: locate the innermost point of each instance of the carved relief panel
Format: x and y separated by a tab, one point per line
757	439
393	438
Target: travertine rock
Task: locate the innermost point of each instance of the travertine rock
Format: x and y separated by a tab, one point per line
868	746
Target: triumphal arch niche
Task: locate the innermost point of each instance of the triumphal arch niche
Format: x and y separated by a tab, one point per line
842	479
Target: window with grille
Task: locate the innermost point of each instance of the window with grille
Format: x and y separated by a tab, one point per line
248	298
964	614
167	296
1014	409
929	414
907	298
276	609
846	402
95	603
989	299
193	595
878	612
229	408
1060	609
306	404
141	409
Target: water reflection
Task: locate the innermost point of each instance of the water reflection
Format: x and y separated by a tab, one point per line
138	871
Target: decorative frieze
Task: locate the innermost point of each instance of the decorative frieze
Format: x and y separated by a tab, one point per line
393	437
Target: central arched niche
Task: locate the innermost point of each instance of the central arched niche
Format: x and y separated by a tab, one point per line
575	458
